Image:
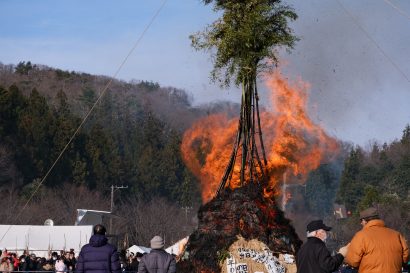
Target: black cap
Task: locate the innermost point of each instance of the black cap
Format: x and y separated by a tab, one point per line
316	225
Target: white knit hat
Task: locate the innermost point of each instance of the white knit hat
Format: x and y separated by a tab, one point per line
157	242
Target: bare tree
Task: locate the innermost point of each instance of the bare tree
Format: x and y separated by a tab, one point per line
59	204
156	217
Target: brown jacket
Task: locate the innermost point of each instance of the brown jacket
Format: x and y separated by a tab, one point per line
377	249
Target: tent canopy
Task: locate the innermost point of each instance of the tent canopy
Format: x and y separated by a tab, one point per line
178	247
90	217
42	239
134	249
175	249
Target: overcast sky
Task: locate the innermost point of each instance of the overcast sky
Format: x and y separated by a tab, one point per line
358	68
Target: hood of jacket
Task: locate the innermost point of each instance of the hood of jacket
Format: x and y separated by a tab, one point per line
98	240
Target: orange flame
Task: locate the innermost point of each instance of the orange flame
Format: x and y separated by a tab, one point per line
293	142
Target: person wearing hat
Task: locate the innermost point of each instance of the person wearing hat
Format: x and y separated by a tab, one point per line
313	256
157	261
98	256
377	248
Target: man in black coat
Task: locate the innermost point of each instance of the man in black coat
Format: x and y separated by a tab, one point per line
157	261
98	256
313	256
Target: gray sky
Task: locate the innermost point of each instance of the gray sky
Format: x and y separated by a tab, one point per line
360	95
357	93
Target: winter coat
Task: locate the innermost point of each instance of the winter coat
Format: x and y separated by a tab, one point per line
6	266
60	266
314	257
157	261
98	257
23	265
16	263
133	265
71	263
377	248
32	264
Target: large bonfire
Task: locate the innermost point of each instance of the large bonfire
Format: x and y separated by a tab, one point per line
240	227
247	212
295	143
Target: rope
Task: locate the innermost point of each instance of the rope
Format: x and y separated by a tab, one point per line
398	9
88	114
374	42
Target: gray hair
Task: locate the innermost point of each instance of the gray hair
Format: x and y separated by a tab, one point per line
311	234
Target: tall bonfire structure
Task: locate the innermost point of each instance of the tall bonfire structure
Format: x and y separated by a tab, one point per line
241	229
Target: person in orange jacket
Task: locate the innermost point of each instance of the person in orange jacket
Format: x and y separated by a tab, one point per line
376	248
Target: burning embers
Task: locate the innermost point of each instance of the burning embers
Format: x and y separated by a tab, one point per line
293	142
241	212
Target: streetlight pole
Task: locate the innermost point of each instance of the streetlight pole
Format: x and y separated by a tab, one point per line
114	187
186	208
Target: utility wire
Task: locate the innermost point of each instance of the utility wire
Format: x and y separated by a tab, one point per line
88	114
398	9
374	42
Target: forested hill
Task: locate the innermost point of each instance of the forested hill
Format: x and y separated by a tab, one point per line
132	137
81	89
379	176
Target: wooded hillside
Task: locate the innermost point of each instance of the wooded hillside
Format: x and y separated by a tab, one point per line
133	138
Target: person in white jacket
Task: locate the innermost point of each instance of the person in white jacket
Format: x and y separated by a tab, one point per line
60	266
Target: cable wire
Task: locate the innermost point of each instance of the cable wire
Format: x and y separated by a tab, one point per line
88	114
398	9
374	42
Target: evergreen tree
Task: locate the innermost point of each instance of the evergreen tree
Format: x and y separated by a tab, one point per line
64	127
245	40
386	165
370	198
401	177
24	68
103	158
177	182
321	187
351	188
405	139
148	164
35	132
80	172
12	102
88	97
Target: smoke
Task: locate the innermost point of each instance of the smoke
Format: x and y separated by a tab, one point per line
356	92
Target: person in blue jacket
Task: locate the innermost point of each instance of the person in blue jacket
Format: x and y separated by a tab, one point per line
98	256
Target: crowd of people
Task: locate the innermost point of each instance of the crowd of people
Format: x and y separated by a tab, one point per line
65	261
374	249
98	256
130	263
60	262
